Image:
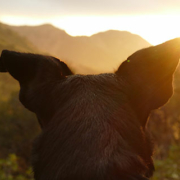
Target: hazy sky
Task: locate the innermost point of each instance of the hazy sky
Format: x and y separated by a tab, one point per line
154	20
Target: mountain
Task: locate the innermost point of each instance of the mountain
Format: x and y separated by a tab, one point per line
102	52
13	41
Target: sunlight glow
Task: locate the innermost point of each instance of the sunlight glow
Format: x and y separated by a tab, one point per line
154	28
22	20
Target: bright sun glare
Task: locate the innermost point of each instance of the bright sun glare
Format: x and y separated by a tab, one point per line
154	28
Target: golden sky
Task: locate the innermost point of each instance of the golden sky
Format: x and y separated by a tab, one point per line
154	20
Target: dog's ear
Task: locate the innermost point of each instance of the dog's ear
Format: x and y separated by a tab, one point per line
148	75
39	76
24	66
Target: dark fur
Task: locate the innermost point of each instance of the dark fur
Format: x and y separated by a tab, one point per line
93	126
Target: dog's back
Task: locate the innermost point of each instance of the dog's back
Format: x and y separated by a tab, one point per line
92	133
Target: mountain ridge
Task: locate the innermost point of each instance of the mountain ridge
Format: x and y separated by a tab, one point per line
101	52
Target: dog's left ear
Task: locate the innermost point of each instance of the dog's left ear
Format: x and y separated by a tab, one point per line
148	75
24	66
39	77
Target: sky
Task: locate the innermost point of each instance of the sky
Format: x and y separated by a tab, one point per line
155	20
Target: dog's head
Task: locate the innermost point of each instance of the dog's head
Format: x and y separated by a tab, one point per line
94	125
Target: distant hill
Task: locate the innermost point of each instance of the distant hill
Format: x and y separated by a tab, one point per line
13	41
102	52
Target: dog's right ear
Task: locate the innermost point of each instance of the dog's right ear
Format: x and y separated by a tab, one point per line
25	66
148	75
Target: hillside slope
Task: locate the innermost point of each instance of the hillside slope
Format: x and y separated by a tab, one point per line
13	41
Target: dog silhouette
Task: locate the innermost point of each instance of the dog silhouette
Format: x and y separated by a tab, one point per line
94	126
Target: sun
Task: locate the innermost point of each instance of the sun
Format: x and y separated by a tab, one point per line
158	28
155	29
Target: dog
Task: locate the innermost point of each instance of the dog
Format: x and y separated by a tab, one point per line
94	126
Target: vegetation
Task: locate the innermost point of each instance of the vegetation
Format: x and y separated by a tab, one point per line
18	126
168	168
11	170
